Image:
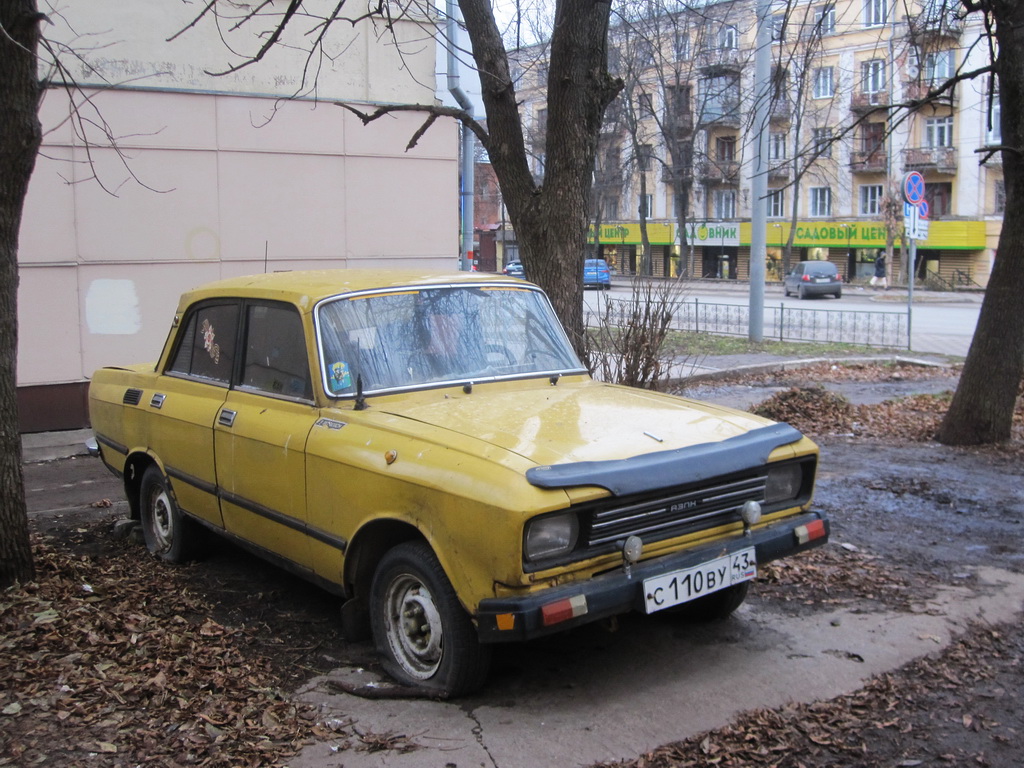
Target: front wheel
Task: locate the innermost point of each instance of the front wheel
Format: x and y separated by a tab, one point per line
419	626
169	534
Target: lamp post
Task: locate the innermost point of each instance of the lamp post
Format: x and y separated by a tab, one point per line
850	266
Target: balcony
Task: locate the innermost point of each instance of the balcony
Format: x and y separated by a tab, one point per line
781	110
719	61
936	159
917	90
680	122
676	175
874	161
723	112
720	172
863	101
935	26
609	179
779	174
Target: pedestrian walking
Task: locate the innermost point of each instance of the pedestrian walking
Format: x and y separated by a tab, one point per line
879	277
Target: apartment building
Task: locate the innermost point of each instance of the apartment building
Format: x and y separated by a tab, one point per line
158	174
856	100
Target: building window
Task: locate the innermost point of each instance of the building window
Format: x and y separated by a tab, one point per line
779	28
823	142
542	73
870	199
993	127
825	20
824	83
725	204
611	209
682	46
872	137
875	12
644	154
720	98
940	198
821	201
646	206
938	132
777	146
645	105
643	54
729	37
938	66
725	149
776	203
872	76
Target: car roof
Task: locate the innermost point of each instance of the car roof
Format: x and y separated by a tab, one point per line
306	288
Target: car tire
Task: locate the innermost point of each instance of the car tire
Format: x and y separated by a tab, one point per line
801	293
839	294
607	286
785	291
420	628
717	606
169	534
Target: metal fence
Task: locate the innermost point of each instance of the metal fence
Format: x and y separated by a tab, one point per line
782	323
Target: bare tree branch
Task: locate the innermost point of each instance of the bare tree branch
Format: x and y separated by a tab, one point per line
433	112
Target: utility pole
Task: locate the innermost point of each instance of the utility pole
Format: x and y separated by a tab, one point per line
759	182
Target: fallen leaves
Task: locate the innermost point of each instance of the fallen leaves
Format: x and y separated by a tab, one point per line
117	657
889	722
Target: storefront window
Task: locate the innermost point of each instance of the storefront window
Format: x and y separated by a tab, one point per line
817	254
865	262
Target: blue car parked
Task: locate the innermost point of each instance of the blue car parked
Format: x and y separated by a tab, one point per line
596	274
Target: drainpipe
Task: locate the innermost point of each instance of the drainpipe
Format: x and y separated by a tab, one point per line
467	161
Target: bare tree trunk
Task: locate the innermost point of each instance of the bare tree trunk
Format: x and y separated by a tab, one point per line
550	219
20	136
982	408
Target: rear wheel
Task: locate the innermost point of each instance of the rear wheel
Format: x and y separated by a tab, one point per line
801	293
169	534
419	626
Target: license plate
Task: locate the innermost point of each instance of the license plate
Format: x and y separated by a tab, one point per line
681	586
821	279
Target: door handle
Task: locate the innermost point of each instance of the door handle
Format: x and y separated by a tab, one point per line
226	418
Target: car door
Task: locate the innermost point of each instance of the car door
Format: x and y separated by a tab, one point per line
187	401
261	433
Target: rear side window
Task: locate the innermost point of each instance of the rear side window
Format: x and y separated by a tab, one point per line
821	270
206	349
275	352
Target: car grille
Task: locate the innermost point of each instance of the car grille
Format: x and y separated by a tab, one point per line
666	516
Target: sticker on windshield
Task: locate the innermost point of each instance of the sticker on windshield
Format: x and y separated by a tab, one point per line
340	377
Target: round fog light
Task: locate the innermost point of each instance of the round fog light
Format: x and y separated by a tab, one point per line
750	512
632	548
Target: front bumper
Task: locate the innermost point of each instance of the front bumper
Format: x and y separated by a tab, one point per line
512	619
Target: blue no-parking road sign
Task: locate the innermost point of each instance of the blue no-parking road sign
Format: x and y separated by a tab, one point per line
913	187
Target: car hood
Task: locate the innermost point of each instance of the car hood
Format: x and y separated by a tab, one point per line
568	423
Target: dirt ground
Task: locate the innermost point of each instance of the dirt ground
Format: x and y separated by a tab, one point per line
112	658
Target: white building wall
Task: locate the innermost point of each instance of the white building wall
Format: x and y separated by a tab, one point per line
203	184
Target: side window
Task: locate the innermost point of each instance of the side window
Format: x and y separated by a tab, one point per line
207	346
275	352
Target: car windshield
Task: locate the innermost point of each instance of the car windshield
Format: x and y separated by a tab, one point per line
416	337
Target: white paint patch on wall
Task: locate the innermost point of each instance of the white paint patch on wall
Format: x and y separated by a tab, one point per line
112	308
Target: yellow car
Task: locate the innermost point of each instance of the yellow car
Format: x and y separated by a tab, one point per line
431	449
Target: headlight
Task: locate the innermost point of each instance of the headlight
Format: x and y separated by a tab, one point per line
783	483
550	536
